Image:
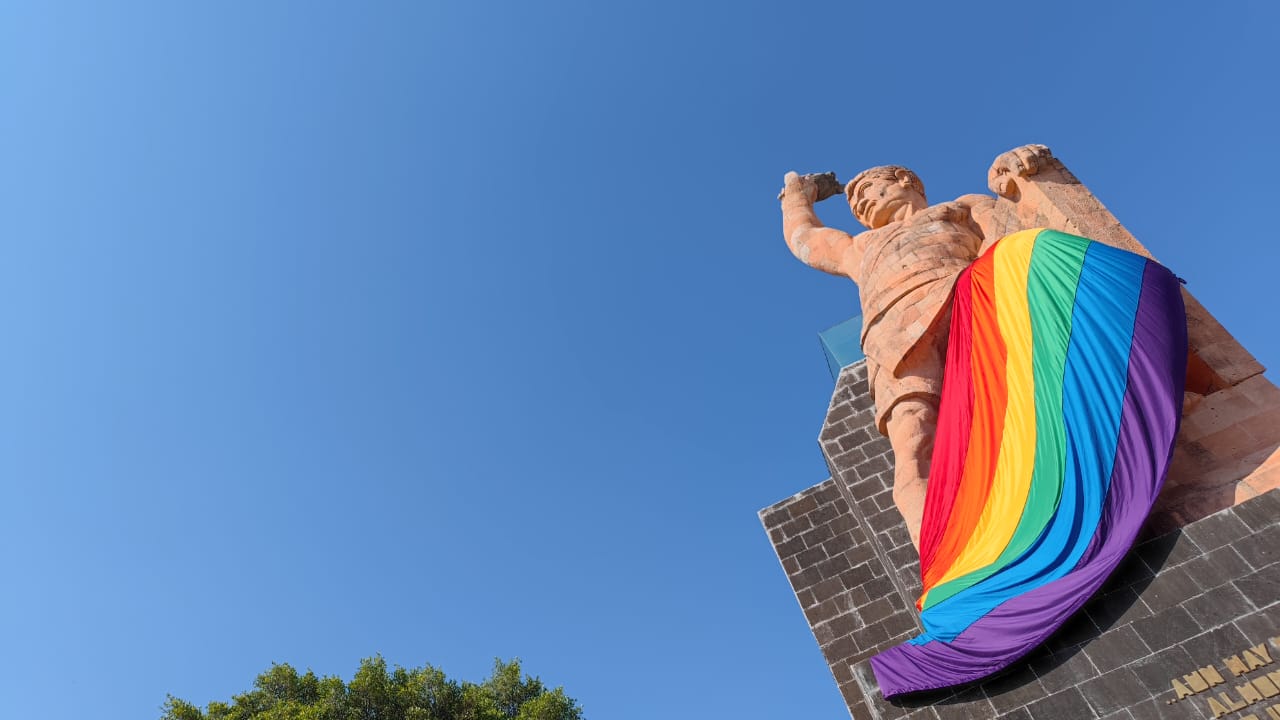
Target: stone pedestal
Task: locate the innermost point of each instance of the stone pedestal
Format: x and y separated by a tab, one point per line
1187	627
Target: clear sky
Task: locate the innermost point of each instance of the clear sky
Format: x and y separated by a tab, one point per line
454	330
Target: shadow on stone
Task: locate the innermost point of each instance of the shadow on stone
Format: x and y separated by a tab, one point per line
923	699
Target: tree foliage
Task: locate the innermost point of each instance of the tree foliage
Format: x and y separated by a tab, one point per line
378	694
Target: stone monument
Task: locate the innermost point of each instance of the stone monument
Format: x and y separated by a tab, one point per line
905	265
1189	623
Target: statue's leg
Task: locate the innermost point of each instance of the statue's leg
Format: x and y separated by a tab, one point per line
910	427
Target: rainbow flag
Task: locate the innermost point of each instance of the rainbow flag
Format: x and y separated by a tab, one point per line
1060	405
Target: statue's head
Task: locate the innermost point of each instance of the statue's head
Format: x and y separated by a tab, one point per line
884	194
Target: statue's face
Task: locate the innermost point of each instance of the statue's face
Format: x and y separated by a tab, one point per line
878	201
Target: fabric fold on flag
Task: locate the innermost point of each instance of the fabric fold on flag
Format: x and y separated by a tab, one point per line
1060	406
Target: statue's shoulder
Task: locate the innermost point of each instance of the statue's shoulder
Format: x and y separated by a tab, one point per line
880	234
955	211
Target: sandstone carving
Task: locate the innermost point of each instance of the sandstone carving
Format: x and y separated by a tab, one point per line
905	265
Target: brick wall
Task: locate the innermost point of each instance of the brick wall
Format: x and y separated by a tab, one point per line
1185	600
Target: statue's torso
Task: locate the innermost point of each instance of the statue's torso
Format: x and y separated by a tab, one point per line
906	275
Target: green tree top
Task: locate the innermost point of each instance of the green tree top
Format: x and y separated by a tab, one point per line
378	694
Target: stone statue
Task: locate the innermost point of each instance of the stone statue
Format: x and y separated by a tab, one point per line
905	264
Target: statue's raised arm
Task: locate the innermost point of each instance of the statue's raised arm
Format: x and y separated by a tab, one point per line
816	245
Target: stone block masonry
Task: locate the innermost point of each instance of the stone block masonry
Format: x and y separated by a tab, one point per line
1187	627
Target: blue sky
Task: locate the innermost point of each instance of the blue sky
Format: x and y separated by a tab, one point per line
450	331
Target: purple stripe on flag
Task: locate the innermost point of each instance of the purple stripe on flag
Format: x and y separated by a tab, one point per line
1149	421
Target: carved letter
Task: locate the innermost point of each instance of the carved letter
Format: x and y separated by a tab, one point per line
1231	702
1261	649
1217	708
1266	687
1180	690
1249	694
1211	675
1253	661
1195	682
1234	664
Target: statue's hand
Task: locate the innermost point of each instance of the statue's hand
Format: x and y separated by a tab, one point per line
794	184
1018	162
814	188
